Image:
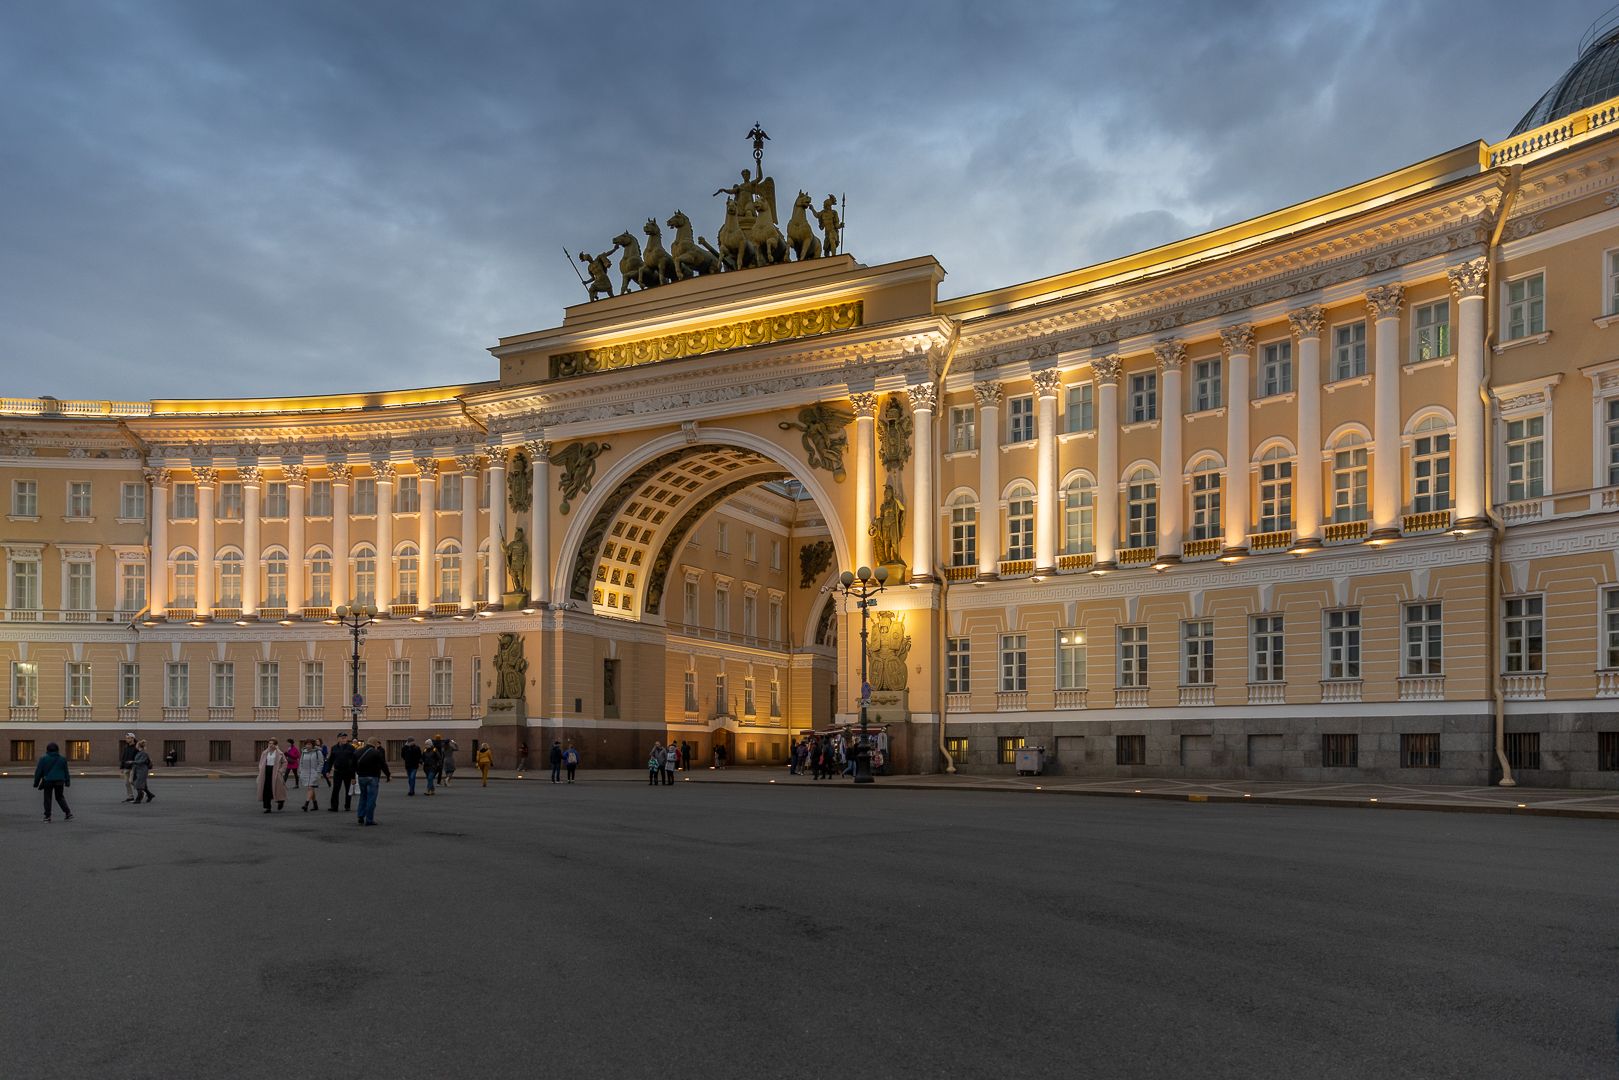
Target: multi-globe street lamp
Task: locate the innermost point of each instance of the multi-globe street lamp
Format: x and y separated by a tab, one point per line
862	586
356	618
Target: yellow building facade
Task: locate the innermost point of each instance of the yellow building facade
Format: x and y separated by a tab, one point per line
1331	493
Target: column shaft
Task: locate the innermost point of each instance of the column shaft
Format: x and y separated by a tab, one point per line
1171	492
497	526
924	511
469	535
385	537
341	564
989	477
865	474
427	540
540	526
1384	304
1107	460
205	543
296	542
1309	508
1047	501
1471	445
157	561
252	553
1238	342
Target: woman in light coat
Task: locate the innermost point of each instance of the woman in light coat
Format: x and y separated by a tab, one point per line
309	765
140	769
272	784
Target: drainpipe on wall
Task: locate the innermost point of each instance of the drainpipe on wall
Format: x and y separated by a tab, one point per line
1492	633
939	669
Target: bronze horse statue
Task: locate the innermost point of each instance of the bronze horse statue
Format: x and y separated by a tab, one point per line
629	264
657	265
800	237
690	259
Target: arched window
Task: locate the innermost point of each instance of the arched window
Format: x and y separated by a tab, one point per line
1020	523
449	572
228	582
320	577
407	565
1430	466
184	586
1275	490
1141	501
275	579
963	531
363	586
1350	478
1205	489
1079	516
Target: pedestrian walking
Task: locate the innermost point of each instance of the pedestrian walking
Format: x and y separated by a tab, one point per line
309	770
292	754
556	762
570	758
450	747
522	759
51	775
671	761
685	755
485	760
721	755
410	756
370	767
126	758
339	770
272	781
432	761
654	763
141	771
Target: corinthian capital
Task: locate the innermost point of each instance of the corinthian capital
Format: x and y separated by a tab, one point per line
1469	279
924	396
470	462
1047	382
249	475
1384	301
1306	322
339	471
538	450
988	394
427	468
158	477
204	474
1170	355
1237	340
295	474
865	404
1108	369
385	471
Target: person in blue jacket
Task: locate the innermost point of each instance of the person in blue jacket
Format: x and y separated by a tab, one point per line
51	775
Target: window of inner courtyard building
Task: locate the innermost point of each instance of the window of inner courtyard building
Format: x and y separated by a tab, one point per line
313	678
441	681
1276	369
963	428
1014	663
1430	331
1132	653
1020	419
1197	652
1526	306
1143	397
1349	350
1343	644
129	685
1266	638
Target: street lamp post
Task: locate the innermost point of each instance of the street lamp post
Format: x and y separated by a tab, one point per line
356	618
863	585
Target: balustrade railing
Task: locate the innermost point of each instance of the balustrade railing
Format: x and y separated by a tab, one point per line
1267	693
960	573
1607	684
1083	560
1279	540
1011	700
76	713
1340	691
1201	549
1129	697
1015	567
958	703
266	714
1140	556
176	715
1345	532
1072	699
24	714
221	713
1528	687
1433	521
1202	694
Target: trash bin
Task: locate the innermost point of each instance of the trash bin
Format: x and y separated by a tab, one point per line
1031	760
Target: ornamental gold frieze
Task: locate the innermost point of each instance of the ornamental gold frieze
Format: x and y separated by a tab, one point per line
790	326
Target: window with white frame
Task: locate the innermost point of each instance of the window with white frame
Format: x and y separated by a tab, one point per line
1430	467
1082	407
775	695
1351	479
750	615
269	685
176	685
1430	331
25	498
81	585
275	578
722	608
722	695
24	684
1610	629
1014	663
129	685
407	494
775	620
183	502
78	685
1611	292
1020	523
690	683
1276	368
1197	652
442	681
449	573
1526	458
958	655
1079	516
320	499
1525	634
1343	644
228	578
1020	419
1526	306
1610	439
313	678
694	615
775	554
1206	389
132	502
485	485
229	506
1143	397
1349	350
1424	639
131	587
1141	502
363	587
183	587
1266	639
320	577
78	499
275	499
1073	671
963	532
1205	494
222	686
399	683
1275	490
749	705
963	428
448	495
1132	650
365	496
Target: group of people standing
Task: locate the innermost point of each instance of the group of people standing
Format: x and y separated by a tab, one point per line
354	768
664	760
827	756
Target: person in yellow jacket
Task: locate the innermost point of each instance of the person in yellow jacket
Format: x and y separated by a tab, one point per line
484	760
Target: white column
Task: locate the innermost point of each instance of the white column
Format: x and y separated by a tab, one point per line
539	522
469	531
1383	303
989	477
157	560
205	540
1467	284
865	474
341	571
1047	499
924	511
1309	508
296	476
252	553
427	532
385	472
497	525
1238	344
1107	370
1171	491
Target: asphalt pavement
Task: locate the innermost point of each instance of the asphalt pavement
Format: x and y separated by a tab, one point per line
609	929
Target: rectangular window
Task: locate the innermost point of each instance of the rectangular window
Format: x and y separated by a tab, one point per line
1267	648
1206	519
443	681
750	615
1611	440
1424	639
81	592
1343	644
722	696
722	538
1197	652
78	749
78	499
176	685
775	554
183	503
694	615
132	502
320	499
1430	473
1611	292
407	494
963	428
313	677
222	688
1132	657
963	536
1020	419
219	750
1275	495
1526	306
365	496
1349	350
449	492
1130	749
1419	751
25	584
1143	397
25	498
749	706
399	682
1430	331
691	691
750	545
129	685
775	697
131	587
1082	407
229	507
1340	751
22	750
1276	369
275	499
958	655
1072	670
1141	519
1523	749
1014	662
722	608
485	485
956	747
1007	746
1525	634
775	620
1350	484
1207	392
269	685
1526	458
1608	751
78	685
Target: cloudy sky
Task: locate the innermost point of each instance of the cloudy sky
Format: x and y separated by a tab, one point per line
221	197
